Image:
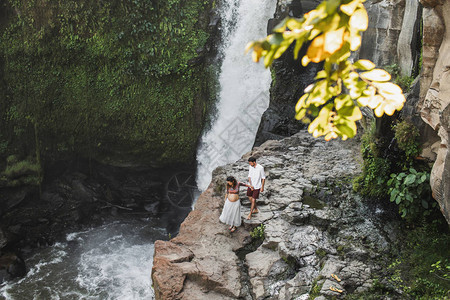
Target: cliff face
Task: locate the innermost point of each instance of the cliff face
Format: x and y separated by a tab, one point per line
118	82
314	227
392	39
435	95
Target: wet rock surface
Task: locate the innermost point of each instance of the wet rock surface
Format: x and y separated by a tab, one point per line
315	226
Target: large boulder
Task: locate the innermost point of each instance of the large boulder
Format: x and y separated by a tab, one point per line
435	94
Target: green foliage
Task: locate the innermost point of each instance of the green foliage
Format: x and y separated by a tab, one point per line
20	172
315	288
109	79
376	169
258	232
332	103
398	175
441	269
321	253
403	81
419	261
412	193
407	137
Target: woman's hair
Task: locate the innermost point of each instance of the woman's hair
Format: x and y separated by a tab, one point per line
232	180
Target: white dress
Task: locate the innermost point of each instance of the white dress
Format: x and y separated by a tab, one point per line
231	213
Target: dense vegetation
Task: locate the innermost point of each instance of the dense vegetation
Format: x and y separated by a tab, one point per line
111	80
394	172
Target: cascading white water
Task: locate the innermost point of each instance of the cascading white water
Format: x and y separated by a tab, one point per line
244	87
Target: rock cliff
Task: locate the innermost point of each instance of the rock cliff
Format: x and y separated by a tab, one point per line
392	39
435	95
314	227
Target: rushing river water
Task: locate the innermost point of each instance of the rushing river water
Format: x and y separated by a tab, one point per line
113	261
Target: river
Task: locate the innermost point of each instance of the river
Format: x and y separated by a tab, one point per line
113	261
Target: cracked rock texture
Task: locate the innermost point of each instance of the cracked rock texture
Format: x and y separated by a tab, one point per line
435	94
314	227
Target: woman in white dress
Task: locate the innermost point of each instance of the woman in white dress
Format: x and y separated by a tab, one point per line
231	213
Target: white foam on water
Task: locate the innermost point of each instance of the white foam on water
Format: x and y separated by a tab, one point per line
124	269
109	262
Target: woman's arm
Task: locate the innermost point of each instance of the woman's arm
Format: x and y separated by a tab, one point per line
247	185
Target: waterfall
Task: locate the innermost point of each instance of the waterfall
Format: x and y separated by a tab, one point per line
244	87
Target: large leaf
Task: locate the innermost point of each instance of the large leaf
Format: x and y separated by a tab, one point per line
364	64
410	179
359	19
350	7
334	40
376	75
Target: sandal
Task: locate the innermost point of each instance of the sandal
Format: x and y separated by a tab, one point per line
335	289
336	278
233	229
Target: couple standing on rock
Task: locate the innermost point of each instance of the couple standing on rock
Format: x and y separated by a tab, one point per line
231	213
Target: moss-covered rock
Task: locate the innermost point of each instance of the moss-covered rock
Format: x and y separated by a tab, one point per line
118	81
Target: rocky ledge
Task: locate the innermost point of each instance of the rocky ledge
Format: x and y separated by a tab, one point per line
314	226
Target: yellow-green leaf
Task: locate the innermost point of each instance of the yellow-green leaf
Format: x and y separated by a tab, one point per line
293	23
300	114
298	45
359	19
363	100
351	113
346	126
341	101
321	74
355	41
305	60
332	5
376	75
301	102
317	127
342	54
350	7
389	88
364	64
375	101
281	26
281	50
331	135
334	40
316	52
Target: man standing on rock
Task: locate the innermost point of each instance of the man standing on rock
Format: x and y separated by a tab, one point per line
256	178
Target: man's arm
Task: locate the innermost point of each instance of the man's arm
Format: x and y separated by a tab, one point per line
263	178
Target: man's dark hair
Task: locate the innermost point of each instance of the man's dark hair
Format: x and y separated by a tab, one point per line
252	159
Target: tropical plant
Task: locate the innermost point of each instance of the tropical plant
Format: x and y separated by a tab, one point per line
410	191
258	232
407	137
331	32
